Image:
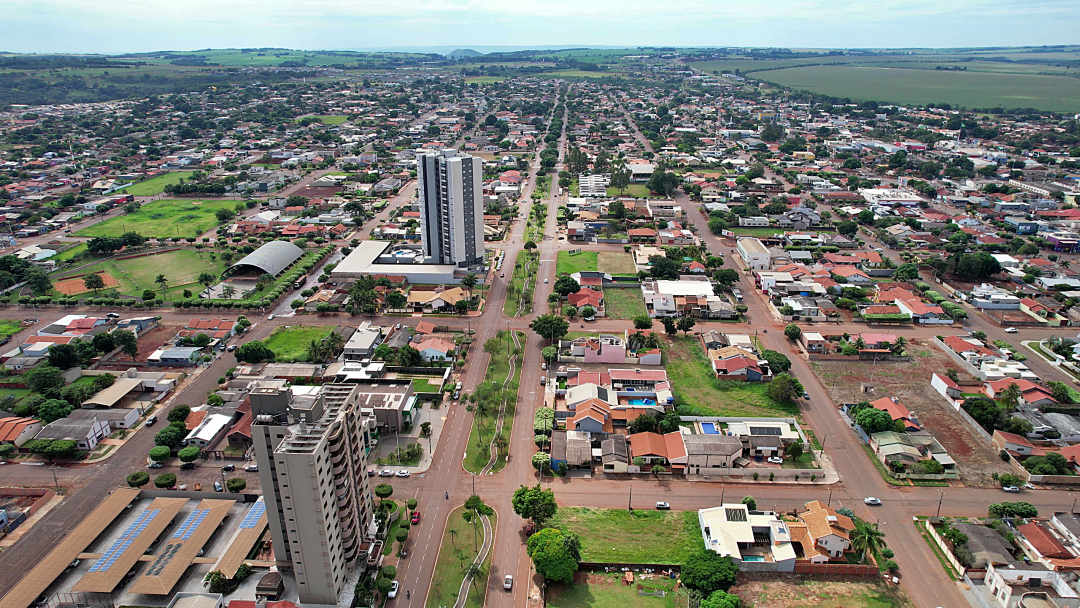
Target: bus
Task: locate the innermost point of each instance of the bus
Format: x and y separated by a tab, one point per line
299	282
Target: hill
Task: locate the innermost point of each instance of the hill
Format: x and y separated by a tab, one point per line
462	54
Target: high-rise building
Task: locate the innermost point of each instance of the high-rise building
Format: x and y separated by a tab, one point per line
451	207
311	444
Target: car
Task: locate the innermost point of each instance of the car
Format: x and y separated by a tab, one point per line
543	365
371	472
662	506
2	462
502	275
775	460
543	380
403	473
72	565
218	487
270	317
1011	330
415	517
386	473
151	421
806	395
394	586
154	465
252	468
228	467
457	395
508	582
231	348
870	500
398	326
187	466
1027	485
113	315
1011	489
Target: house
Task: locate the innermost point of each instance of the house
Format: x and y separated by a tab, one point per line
17	431
893	447
710	454
586	297
830	530
946	387
211	429
650	447
591	416
813	341
572	448
740	368
1030	393
923	313
435	349
1016	445
614	454
605	348
86	433
1026	585
748	537
898	411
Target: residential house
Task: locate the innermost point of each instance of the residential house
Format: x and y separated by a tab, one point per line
1016	445
435	349
830	530
749	537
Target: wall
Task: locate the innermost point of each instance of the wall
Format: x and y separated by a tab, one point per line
943	546
969	368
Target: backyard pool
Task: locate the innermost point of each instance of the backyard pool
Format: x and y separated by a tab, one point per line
753	558
709	428
642	402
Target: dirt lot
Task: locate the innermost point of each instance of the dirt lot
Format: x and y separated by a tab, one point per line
152	340
795	591
911	383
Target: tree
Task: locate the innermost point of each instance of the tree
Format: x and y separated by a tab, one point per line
1061	392
643	322
778	362
63	356
847	228
985	411
873	420
53	409
189	454
178	413
1010	396
794	450
907	272
866	537
726	276
793	331
566	285
588	312
685	324
570	311
206	279
555	554
721	599
469	282
749	502
670	325
165	480
550	354
138	479
254	352
535	504
550	327
94	281
103	342
783	389
161	280
169	436
620	175
160	453
127	342
235	484
541	462
1012	509
706	572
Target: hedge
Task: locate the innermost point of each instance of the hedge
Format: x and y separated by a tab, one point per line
893	317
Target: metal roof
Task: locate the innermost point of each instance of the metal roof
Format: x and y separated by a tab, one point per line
181	547
271	258
251	529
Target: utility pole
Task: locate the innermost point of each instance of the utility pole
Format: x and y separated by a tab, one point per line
56	483
830	498
941	497
630	500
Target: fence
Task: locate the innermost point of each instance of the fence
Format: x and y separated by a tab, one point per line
960	569
927	476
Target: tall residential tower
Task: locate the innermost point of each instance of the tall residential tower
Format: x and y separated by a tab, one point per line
451	207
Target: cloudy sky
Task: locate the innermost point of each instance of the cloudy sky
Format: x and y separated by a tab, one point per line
116	26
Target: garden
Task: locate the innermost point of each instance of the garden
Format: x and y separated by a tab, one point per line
456	553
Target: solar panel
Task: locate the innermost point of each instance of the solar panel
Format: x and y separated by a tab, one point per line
766	430
253	515
121	544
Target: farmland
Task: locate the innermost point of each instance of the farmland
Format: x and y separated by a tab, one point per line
163	219
156	185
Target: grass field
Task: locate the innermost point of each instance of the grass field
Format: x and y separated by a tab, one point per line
455	554
756	232
613	262
331	120
162	219
517	284
769	590
156	184
642	537
181	267
17	393
291	344
634	190
484	79
606	590
70	252
694	384
623	303
10	327
421	385
568	263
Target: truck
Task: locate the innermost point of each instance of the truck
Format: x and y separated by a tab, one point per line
299	282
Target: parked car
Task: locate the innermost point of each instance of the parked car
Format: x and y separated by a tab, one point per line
870	500
545	280
187	466
252	468
218	487
151	421
371	472
543	365
231	348
154	465
806	395
394	586
502	275
508	582
403	473
113	315
662	506
1011	489
228	467
415	517
386	473
775	460
1011	330
270	317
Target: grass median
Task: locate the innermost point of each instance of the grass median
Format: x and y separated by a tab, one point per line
516	289
456	552
478	451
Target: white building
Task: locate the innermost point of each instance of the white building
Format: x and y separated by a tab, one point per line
451	195
733	530
754	254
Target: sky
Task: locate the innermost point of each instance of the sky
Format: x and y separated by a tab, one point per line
119	26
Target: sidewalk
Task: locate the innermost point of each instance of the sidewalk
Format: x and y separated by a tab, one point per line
388	443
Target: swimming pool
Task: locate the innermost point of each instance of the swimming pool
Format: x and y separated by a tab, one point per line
641	402
709	428
753	558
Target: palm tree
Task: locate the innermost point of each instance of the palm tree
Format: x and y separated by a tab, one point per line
206	279
228	291
469	282
898	346
866	538
161	280
1010	396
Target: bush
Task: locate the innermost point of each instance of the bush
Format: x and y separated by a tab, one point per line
235	485
138	479
389	572
165	480
189	454
891	566
160	453
887	553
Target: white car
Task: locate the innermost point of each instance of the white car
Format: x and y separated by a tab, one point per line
252	468
545	280
870	500
662	506
508	582
394	586
403	473
1011	330
1011	489
775	460
386	473
270	318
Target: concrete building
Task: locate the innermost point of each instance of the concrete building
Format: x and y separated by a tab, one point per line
311	445
754	254
451	208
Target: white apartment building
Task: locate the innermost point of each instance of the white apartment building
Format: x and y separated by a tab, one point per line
451	195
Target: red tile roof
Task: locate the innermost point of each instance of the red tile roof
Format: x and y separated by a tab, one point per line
1043	541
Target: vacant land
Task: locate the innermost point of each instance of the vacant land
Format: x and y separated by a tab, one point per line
163	219
613	262
156	184
755	232
569	263
623	303
607	590
695	385
134	275
331	120
910	382
641	537
291	344
634	190
10	327
455	555
795	591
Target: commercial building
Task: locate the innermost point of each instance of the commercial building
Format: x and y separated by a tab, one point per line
451	208
754	254
311	444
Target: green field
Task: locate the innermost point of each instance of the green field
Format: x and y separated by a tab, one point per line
291	344
331	120
634	190
756	232
181	267
421	385
644	536
609	591
10	327
694	384
624	303
70	252
484	79
568	263
455	554
163	219
156	184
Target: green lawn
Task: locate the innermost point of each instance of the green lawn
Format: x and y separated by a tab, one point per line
421	385
756	232
156	184
484	79
70	252
694	384
642	537
514	291
18	393
624	303
568	263
455	554
613	262
162	219
291	344
10	327
331	120
634	190
609	591
181	267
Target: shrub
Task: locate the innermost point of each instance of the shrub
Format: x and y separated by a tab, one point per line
160	453
165	480
138	479
887	553
235	484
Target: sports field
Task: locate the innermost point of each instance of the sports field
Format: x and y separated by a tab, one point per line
135	275
162	219
77	285
156	184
